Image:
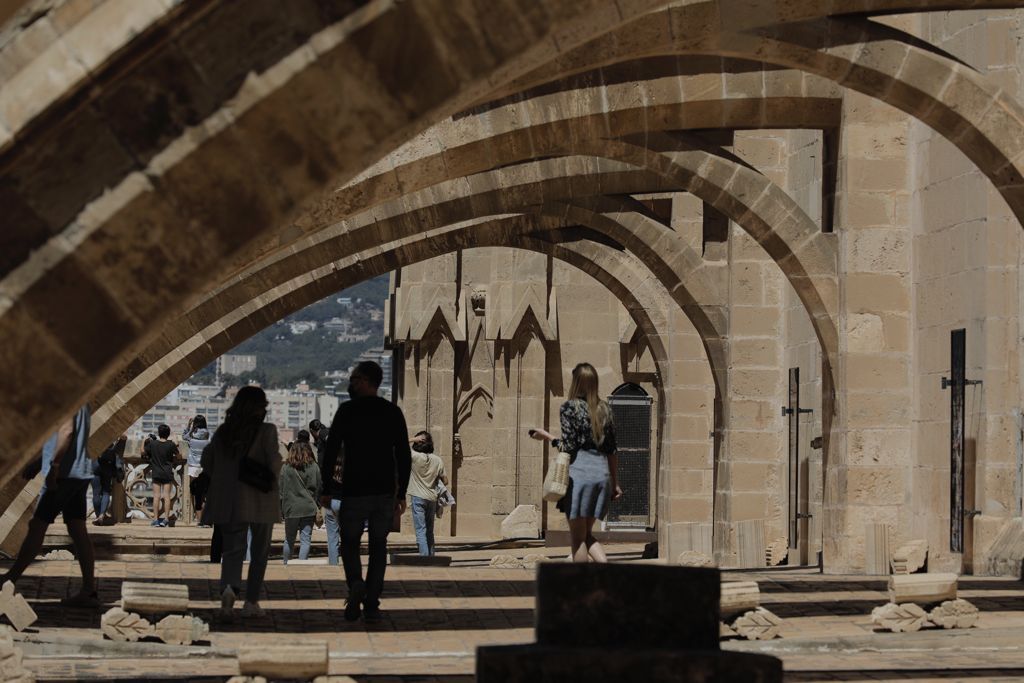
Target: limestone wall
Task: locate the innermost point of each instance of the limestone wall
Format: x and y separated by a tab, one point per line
966	252
521	323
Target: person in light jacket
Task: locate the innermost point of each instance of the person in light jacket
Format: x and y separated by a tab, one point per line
237	509
300	491
196	436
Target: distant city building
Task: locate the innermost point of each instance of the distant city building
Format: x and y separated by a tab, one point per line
235	364
302	326
337	324
289	409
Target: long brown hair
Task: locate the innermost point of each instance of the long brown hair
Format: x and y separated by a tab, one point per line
299	455
584	387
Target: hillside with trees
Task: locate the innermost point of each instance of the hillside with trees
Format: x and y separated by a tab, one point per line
284	358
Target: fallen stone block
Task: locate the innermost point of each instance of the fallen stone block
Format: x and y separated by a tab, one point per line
150	598
522	522
16	608
737	597
957	613
302	660
905	618
909	557
180	629
125	627
59	554
923	589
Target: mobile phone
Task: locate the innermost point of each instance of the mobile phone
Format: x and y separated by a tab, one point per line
532	432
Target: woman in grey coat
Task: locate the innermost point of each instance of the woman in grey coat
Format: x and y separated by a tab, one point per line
300	491
236	508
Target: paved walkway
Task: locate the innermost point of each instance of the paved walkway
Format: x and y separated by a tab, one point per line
436	617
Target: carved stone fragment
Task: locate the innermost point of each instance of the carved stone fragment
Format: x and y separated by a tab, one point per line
738	597
11	667
695	558
15	608
904	618
123	626
302	660
506	562
179	629
149	598
957	613
757	624
776	552
724	631
909	557
59	554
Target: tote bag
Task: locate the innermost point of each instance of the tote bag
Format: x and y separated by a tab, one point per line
556	482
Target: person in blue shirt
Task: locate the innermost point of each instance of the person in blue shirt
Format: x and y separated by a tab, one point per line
67	469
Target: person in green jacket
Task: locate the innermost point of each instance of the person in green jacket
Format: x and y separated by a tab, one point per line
300	491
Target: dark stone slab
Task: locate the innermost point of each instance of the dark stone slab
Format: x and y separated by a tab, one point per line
533	663
625	606
411	560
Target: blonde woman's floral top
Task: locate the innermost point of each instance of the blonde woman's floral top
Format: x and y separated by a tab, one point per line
576	431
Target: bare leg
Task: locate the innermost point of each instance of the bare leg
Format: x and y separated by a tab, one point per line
79	534
30	547
594	548
157	488
577	535
168	508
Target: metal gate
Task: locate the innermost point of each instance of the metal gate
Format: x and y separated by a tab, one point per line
631	411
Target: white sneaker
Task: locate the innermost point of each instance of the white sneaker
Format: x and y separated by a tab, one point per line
227	604
253	609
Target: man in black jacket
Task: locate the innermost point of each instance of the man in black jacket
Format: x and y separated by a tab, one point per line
373	484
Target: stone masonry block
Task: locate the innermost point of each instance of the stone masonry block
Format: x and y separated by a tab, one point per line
574	601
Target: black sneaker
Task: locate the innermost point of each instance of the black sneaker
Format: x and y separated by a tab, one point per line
352	606
372	614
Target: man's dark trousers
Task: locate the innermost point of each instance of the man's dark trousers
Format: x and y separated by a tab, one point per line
378	512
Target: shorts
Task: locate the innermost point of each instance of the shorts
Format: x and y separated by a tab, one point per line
194	471
163	480
67	497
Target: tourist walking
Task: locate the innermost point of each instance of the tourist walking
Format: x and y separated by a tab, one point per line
588	436
374	479
67	469
427	470
161	453
319	432
300	493
196	436
243	461
106	468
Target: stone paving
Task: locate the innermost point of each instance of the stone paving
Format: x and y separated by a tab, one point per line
435	617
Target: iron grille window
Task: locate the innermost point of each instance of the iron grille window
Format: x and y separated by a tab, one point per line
631	411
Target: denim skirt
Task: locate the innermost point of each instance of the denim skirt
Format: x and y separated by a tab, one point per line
589	485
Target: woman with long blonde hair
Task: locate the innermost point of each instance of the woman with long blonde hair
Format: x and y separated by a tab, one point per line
588	436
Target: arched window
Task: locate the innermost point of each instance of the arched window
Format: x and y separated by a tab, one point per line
631	411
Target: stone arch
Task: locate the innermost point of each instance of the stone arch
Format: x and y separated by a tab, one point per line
273	133
611	270
981	120
403	222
